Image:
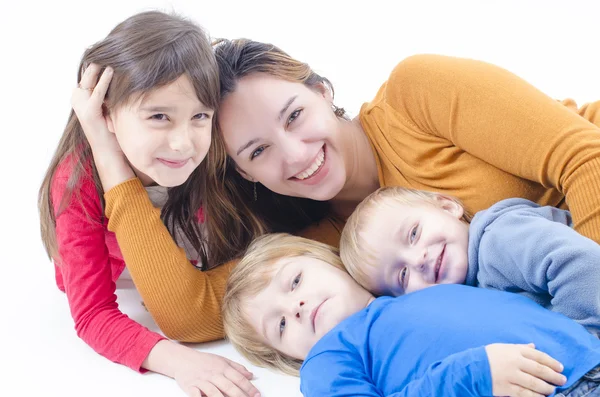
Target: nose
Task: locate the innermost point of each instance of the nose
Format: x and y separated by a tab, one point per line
418	259
292	150
180	139
299	310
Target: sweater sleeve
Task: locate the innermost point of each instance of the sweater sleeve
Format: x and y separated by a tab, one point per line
522	249
339	374
87	277
504	121
184	301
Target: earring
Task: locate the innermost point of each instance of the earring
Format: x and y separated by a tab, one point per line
255	195
339	112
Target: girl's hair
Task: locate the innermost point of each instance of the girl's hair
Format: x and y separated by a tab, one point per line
354	250
239	210
146	51
253	273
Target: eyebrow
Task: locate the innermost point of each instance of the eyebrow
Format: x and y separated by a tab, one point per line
246	146
158	109
287	105
277	274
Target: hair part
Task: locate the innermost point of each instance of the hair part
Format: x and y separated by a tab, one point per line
253	274
356	253
146	51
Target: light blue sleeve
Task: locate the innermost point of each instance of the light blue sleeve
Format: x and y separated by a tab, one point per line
522	251
335	374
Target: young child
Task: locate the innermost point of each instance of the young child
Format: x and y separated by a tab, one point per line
158	93
290	305
401	240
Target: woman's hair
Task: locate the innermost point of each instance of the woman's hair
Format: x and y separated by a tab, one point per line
146	51
355	252
253	273
239	210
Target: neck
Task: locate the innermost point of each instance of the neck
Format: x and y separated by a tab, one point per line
361	169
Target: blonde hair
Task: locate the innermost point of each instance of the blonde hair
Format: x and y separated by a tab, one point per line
253	273
354	250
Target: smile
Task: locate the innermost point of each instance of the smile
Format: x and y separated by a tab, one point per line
438	265
173	163
312	169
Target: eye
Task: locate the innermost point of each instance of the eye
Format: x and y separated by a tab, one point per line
403	277
159	117
296	281
413	234
257	152
293	116
201	116
281	326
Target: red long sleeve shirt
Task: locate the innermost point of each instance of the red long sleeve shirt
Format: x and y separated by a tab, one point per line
89	263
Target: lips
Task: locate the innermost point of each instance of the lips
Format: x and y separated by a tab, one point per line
314	312
174	163
438	265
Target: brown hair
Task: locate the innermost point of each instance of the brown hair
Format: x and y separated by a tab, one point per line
253	273
236	214
354	250
146	51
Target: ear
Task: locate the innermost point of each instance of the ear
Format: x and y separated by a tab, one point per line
109	122
244	174
325	92
450	206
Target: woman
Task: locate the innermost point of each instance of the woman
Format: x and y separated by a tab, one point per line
455	126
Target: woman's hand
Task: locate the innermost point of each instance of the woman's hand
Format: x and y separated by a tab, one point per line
199	373
523	371
87	100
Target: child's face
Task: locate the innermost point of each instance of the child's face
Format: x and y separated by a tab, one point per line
166	135
305	299
416	246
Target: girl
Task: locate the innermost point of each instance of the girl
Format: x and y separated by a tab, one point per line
460	127
160	106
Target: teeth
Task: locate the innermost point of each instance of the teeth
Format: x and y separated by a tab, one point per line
313	168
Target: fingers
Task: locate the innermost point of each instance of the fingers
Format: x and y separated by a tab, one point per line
241	369
89	77
533	384
241	382
543	359
207	388
101	88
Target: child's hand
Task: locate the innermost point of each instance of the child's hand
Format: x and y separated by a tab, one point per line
523	371
87	102
200	374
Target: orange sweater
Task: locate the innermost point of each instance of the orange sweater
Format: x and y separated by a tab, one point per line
452	125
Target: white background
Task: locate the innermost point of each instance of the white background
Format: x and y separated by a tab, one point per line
553	44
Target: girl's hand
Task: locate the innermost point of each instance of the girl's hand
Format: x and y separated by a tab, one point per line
523	371
200	374
87	100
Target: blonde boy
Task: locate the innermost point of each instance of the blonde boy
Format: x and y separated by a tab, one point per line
400	240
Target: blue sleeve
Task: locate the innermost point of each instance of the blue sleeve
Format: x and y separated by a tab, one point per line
335	374
551	262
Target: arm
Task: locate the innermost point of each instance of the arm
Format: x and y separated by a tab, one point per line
499	118
184	302
463	374
527	250
87	277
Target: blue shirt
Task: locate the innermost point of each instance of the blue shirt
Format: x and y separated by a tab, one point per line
431	342
518	246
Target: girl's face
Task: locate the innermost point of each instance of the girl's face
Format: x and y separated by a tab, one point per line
285	136
165	134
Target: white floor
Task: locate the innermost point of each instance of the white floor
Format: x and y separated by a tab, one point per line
551	43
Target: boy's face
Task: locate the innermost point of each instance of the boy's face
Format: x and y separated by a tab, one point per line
305	299
416	246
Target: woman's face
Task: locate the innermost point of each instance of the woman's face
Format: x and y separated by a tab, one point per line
284	135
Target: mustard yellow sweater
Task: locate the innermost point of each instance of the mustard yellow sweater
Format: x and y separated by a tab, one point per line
457	126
